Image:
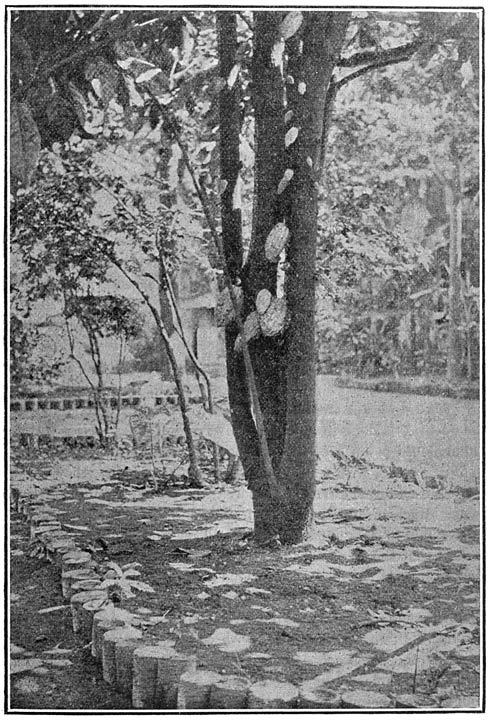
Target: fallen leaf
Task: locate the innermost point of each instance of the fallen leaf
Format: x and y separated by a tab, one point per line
230	579
258	656
389	639
228	641
40	670
315	658
157	619
16	649
58	651
58	663
282	622
55	608
18	666
257	591
191	619
374	678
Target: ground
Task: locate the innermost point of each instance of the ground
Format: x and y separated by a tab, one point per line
385	597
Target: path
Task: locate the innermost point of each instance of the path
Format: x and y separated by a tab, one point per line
433	434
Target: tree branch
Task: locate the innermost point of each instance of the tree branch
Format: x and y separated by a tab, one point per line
392	55
193	461
374	66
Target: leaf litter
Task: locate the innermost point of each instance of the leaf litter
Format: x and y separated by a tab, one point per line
379	559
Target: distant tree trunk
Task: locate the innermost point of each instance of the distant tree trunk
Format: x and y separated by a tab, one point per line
454	212
166	315
284	366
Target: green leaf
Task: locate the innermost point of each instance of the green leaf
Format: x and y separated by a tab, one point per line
25	143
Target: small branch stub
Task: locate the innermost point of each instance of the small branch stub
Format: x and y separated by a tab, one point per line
194	689
276	241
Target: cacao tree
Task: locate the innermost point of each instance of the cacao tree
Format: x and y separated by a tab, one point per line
279	73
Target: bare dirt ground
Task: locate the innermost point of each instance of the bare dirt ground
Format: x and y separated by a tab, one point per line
385	597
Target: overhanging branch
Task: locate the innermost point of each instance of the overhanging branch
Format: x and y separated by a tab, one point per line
393	55
357	73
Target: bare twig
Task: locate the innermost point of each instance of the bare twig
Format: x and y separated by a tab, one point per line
87	377
194	464
179	329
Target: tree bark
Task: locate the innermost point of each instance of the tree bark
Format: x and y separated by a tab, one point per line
231	230
285	366
311	66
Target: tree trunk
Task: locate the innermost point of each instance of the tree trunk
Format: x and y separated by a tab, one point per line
285	366
453	209
322	35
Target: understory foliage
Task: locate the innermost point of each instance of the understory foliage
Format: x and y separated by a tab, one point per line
339	151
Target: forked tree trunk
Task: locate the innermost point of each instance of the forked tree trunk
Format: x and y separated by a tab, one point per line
285	366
